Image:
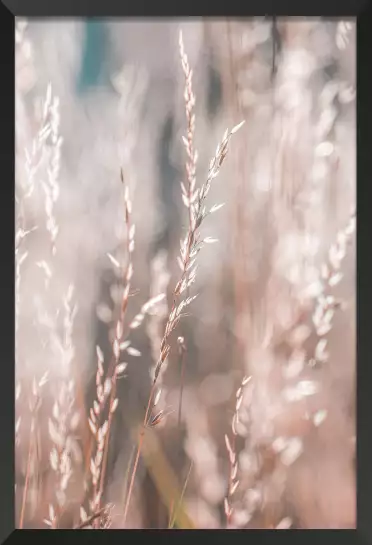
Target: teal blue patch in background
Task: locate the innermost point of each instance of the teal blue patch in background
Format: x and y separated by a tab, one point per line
94	66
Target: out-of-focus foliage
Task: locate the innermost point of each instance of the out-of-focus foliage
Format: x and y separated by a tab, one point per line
276	295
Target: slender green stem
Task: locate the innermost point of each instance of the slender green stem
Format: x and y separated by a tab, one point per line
174	517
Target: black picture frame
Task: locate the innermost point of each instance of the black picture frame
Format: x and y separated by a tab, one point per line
44	8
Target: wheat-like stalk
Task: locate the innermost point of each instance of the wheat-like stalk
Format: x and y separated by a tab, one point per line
188	191
65	418
51	186
106	389
331	275
190	247
231	451
34	408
